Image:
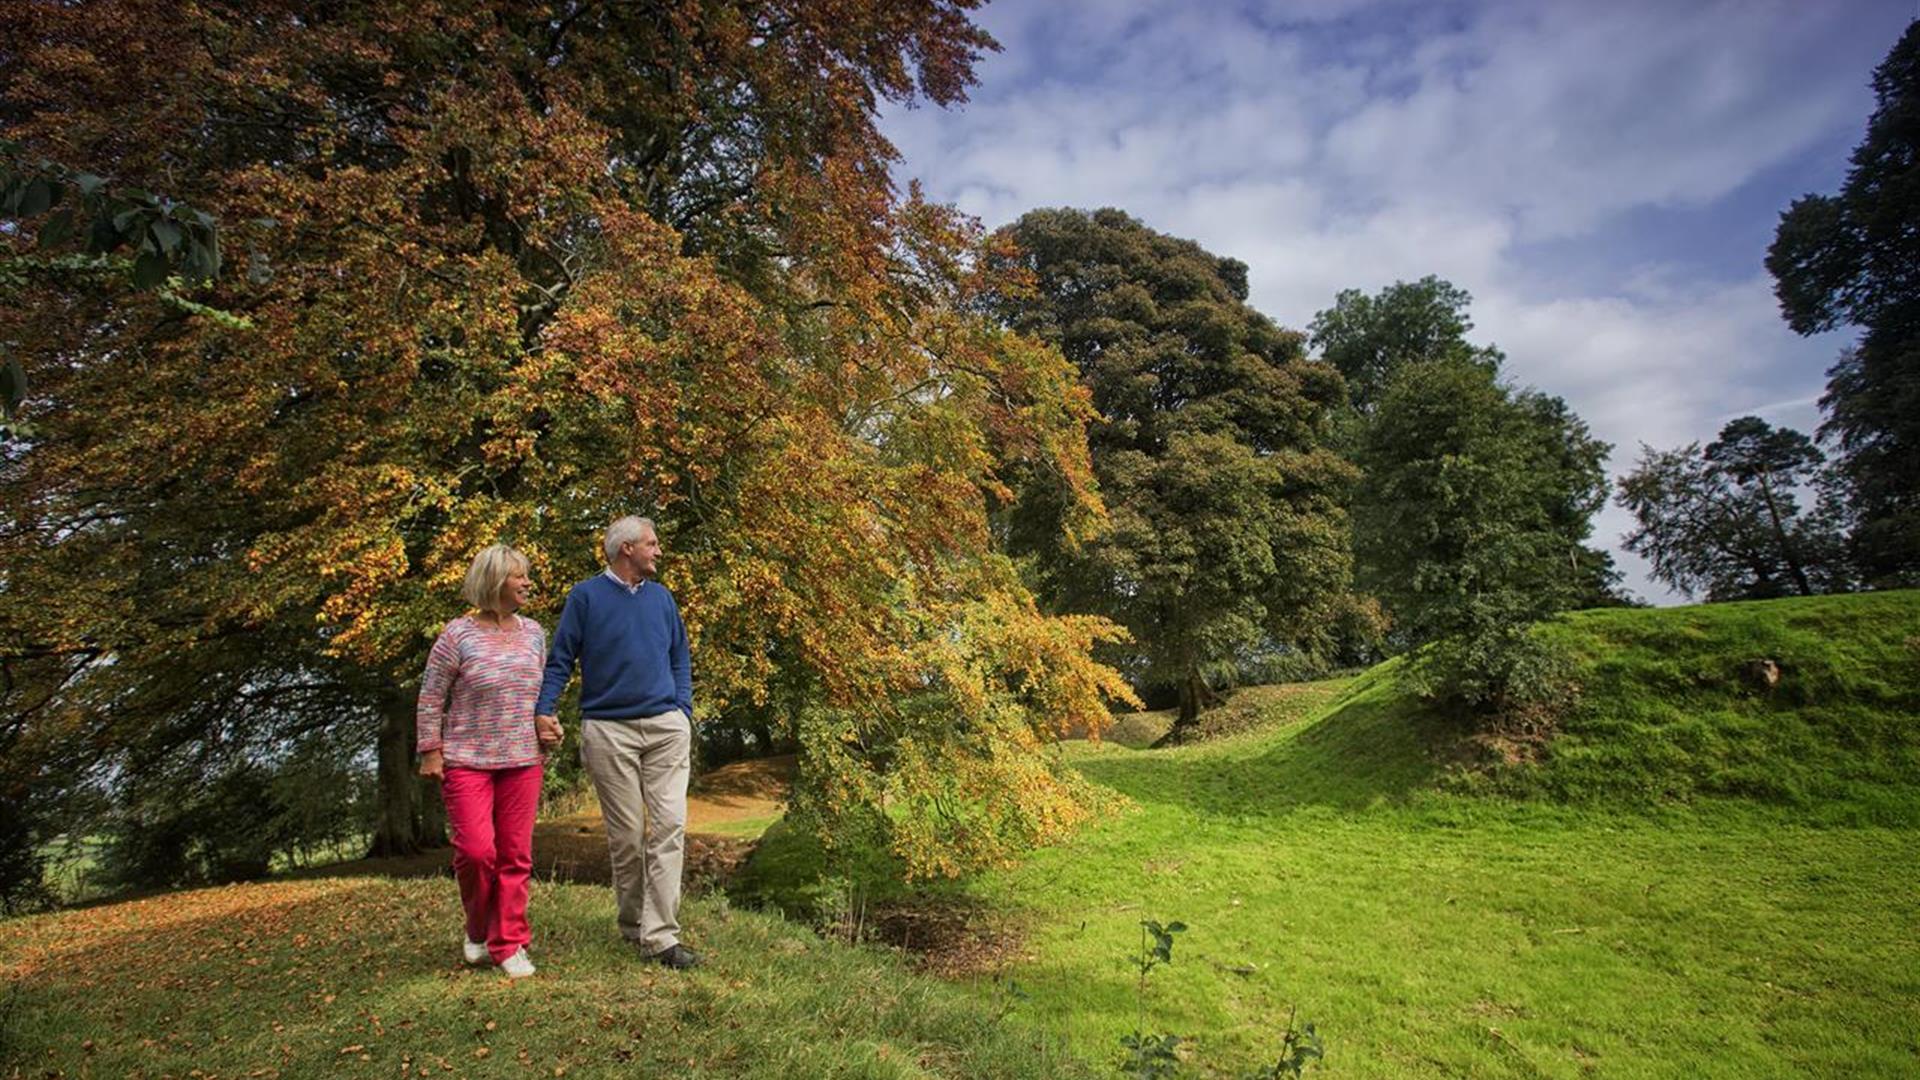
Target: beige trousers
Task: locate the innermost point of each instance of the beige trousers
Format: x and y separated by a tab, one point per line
639	768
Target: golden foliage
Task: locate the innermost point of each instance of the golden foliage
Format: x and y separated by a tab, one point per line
499	311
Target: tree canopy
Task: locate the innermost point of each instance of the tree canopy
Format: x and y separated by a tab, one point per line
1853	258
1471	517
1724	521
532	266
1369	338
1227	527
1373	340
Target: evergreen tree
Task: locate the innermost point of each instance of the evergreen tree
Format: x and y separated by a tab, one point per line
1854	259
1724	521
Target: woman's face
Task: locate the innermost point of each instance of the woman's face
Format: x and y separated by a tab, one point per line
515	591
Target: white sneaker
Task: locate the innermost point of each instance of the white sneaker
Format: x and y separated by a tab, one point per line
473	952
517	966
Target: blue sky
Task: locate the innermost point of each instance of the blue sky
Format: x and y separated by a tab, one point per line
1604	176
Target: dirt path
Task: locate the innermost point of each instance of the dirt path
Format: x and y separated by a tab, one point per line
726	810
725	803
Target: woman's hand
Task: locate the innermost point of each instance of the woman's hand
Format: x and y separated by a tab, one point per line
549	731
433	765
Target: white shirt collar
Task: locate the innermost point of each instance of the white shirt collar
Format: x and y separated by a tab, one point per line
622	582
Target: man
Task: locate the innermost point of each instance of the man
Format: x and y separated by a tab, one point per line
636	730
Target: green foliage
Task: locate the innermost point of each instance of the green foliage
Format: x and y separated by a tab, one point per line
1469	524
1849	259
69	209
1298	1049
13	390
172	828
169	836
1151	1056
92	265
23	860
1227	533
1370	338
1156	945
1725	522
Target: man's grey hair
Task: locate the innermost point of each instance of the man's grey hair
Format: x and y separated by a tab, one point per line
625	530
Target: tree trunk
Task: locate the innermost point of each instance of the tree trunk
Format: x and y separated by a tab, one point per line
1780	534
1195	697
407	819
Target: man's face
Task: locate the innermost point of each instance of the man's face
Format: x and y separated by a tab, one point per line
643	553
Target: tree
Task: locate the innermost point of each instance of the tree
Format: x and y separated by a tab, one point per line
534	266
1227	531
1369	338
1724	521
1470	518
1854	259
1372	339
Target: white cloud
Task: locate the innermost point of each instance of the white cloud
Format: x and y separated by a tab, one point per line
1348	145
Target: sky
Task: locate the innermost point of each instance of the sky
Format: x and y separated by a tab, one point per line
1604	177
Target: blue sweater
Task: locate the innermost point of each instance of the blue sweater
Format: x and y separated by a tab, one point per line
632	649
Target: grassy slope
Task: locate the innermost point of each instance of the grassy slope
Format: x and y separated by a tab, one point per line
1668	716
1700	880
360	977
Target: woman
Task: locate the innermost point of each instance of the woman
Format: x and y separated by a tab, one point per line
476	736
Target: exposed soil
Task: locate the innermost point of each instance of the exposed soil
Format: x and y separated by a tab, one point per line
949	939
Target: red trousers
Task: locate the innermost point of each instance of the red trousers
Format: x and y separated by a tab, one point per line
490	814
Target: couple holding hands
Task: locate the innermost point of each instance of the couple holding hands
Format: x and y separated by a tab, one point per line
487	720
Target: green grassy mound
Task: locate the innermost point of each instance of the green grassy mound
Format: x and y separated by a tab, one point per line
361	977
1697	878
1669	713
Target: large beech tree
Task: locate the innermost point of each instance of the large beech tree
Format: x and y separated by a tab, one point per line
1228	533
534	265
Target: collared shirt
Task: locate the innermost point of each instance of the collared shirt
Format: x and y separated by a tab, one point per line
631	587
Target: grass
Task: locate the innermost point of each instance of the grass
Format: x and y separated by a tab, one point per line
748	828
360	977
1699	879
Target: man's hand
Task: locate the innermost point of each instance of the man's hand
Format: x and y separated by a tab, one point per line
549	730
433	765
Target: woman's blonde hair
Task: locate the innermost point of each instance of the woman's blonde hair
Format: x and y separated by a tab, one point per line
488	575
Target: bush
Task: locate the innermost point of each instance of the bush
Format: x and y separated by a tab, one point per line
1507	677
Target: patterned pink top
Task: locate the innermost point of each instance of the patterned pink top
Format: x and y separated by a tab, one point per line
477	697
